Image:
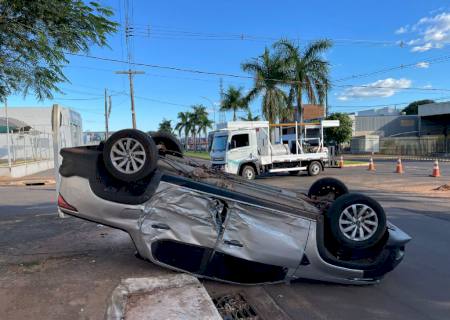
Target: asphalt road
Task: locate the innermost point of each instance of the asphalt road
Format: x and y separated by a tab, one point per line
52	268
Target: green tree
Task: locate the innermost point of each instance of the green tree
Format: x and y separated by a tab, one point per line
233	100
184	125
340	134
36	37
307	72
270	76
249	116
205	124
165	126
413	107
196	118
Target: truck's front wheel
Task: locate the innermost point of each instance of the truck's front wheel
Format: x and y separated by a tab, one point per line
314	168
248	172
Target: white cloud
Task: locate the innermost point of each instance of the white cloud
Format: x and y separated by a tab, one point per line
428	86
402	30
423	65
433	32
427	46
378	89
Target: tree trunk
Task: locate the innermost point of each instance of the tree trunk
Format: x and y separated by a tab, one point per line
234	114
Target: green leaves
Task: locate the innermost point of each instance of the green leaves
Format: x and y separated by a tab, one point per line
340	134
34	36
234	100
165	126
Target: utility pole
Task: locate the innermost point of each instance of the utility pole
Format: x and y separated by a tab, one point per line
131	74
7	133
106	115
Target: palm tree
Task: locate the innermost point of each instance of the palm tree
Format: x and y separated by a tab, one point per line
308	73
184	124
165	126
233	100
270	76
196	117
249	117
205	124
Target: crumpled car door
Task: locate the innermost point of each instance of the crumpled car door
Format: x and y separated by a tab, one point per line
179	228
258	245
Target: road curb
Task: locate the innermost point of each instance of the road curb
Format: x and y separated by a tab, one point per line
21	183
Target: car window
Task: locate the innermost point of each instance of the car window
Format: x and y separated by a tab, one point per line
239	141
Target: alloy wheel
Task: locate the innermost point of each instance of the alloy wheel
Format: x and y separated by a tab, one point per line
358	222
128	155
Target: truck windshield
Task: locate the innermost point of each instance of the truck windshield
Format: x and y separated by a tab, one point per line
219	143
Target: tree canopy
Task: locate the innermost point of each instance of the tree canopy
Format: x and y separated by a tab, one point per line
165	126
233	100
307	72
340	134
413	107
36	36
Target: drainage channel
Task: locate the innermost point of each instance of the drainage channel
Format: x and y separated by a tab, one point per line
235	307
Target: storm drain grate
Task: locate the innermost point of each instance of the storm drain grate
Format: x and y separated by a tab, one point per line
235	307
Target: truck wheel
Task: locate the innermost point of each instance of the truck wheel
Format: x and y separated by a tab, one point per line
314	168
356	221
248	172
130	155
327	188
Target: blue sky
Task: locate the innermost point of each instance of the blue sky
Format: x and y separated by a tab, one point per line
369	36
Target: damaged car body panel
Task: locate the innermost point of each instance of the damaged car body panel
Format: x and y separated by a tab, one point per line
189	218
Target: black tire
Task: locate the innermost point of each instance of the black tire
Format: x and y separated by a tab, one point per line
314	168
248	172
323	188
337	226
148	155
167	143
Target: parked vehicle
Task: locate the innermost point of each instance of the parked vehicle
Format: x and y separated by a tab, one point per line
244	148
187	217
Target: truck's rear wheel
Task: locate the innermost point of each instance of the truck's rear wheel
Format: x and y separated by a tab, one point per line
314	168
248	172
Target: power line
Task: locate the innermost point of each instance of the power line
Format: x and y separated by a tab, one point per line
221	74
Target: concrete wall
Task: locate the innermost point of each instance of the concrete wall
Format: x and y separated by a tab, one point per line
386	126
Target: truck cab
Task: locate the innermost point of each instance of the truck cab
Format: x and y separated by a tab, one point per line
245	148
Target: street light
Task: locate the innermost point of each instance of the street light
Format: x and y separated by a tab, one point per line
213	106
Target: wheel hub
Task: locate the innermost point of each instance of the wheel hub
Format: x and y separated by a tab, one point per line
358	222
128	155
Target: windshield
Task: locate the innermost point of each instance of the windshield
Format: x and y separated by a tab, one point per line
219	143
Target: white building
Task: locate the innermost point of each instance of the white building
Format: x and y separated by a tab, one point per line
30	134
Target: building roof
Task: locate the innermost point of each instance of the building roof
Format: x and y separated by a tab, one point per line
13	124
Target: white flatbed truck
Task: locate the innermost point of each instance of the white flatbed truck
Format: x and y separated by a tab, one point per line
244	148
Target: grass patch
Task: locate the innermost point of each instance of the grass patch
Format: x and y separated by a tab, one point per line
197	154
354	162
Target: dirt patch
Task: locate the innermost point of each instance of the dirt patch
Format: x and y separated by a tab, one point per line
444	187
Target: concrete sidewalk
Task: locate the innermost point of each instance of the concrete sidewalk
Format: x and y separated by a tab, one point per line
40	178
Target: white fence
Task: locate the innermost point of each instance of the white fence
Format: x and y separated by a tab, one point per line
25	147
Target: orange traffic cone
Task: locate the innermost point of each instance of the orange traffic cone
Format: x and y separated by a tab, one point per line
436	171
399	168
371	165
341	162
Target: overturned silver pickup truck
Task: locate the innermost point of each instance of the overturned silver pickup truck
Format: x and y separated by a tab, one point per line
188	217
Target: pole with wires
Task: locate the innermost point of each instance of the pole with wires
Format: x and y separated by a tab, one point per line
106	115
8	142
131	73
